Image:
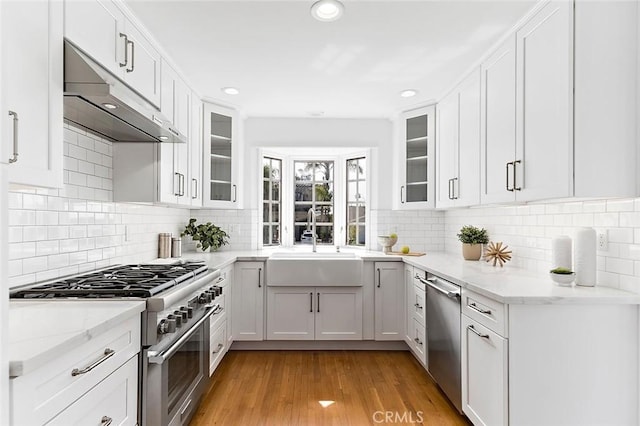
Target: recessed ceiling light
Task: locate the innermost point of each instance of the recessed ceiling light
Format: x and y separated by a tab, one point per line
230	90
163	138
109	106
408	93
327	10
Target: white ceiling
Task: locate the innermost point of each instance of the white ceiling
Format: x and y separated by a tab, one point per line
287	64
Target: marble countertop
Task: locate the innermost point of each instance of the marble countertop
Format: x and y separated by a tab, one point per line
41	331
507	285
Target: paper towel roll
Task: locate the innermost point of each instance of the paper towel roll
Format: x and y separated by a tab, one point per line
585	257
561	252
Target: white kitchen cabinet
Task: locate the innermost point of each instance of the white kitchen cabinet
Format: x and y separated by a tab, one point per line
32	80
248	301
217	345
53	394
389	301
112	401
227	275
416	333
416	154
543	165
409	297
102	30
314	313
195	152
221	158
484	374
458	130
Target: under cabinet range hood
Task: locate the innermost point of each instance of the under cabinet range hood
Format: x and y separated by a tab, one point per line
99	102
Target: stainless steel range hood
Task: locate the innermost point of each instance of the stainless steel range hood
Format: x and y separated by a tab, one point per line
90	95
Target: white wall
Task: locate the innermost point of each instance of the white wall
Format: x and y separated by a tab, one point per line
79	228
323	133
528	230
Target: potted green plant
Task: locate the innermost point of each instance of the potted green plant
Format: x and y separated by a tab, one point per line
207	235
472	239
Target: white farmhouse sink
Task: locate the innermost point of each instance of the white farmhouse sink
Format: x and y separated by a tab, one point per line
314	269
311	255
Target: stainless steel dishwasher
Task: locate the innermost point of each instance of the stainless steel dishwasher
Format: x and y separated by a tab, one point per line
443	336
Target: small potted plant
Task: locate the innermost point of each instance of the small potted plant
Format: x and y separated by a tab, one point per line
562	276
472	239
207	235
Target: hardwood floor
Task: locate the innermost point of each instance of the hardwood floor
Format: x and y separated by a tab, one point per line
286	387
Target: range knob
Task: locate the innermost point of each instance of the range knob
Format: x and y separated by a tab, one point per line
204	298
188	311
176	319
167	326
182	314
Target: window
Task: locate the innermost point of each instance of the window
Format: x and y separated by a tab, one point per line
356	201
313	182
271	215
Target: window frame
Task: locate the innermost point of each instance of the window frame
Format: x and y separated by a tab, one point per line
271	202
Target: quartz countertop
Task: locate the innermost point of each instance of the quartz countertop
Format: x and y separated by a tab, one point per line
42	331
507	285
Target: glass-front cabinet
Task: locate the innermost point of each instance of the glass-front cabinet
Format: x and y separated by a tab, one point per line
416	177
220	180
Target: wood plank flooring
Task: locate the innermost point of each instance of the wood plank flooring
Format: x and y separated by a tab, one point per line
286	387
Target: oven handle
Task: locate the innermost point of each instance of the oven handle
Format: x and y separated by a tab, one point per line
155	357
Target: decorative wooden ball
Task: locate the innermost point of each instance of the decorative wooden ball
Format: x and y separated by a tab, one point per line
497	253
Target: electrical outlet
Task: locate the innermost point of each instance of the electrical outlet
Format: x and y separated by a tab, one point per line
603	241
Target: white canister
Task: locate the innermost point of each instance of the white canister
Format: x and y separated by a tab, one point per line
561	252
585	257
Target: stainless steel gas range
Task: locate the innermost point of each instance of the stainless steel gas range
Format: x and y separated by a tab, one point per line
180	303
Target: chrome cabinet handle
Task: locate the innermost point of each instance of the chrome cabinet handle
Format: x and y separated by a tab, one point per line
318	303
379	278
507	175
417	341
450	190
133	55
515	185
311	301
402	194
14	158
259	277
181	185
176	190
108	353
194	193
220	346
126	50
235	193
477	309
476	332
453	189
417	305
106	421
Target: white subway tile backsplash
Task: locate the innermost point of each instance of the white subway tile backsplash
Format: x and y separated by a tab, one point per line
77	152
44	248
34	264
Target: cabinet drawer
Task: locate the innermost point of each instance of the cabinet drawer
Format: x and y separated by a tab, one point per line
486	311
419	343
221	313
115	398
217	345
419	304
39	396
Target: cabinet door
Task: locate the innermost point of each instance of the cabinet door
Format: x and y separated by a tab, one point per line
544	137
447	164
112	401
32	62
217	345
389	301
96	27
338	313
290	313
220	162
248	301
498	123
409	296
419	341
466	188
143	70
417	171
484	374
181	150
195	152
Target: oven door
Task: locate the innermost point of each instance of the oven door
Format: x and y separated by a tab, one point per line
177	376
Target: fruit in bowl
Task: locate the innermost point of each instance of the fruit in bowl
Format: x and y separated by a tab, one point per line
562	276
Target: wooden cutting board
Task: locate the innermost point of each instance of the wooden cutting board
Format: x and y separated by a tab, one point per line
407	254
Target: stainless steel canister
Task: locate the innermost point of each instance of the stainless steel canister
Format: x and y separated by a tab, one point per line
176	247
164	245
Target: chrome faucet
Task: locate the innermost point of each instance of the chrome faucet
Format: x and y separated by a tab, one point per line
311	218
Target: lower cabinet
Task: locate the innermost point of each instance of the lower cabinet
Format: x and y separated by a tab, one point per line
389	301
416	327
248	301
217	344
314	313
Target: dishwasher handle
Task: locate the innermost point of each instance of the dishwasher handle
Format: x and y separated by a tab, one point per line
433	283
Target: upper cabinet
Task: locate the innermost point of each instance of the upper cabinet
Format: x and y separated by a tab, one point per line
458	145
31	104
101	29
195	152
221	167
416	178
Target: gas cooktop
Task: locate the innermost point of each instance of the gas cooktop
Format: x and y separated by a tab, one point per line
137	281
